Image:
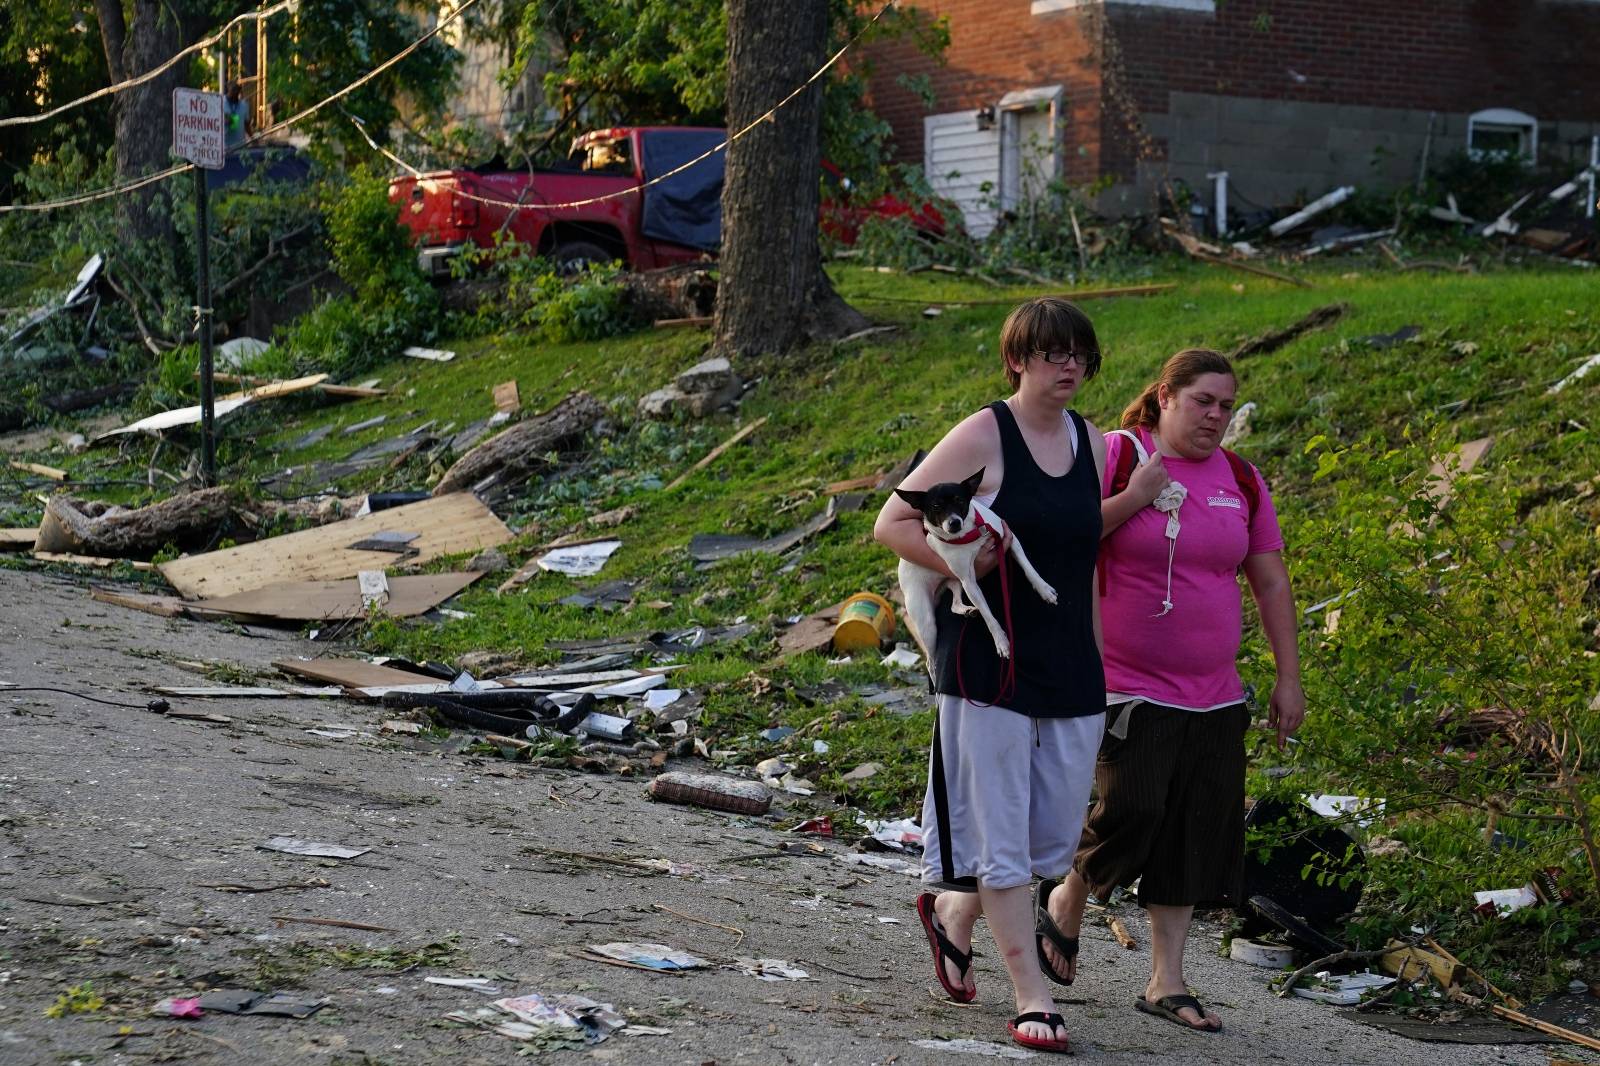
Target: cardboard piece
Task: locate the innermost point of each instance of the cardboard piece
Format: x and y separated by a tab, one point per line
444	525
506	397
330	601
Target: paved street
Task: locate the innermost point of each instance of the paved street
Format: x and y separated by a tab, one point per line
117	826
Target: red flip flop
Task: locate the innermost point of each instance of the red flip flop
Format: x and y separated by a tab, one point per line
1054	1021
944	950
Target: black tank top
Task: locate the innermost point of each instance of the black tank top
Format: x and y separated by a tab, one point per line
1057	520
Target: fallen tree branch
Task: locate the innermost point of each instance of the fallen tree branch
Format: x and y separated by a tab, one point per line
1328	960
522	451
138	319
1272	340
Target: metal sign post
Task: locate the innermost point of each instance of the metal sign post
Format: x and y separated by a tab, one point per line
199	135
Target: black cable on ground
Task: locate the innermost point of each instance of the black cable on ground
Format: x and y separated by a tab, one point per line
159	706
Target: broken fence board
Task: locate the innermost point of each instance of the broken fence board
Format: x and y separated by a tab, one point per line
273	389
332	601
347	391
182	416
445	525
17	540
715	453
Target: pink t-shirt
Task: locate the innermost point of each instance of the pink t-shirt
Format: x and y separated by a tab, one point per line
1185	658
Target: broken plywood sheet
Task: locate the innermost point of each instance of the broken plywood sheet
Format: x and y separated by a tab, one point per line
351	673
164	606
330	601
17	540
91	560
182	416
444	525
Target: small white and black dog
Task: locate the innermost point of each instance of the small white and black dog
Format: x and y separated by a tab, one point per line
957	528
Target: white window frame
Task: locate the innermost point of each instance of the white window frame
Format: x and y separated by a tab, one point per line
1504	120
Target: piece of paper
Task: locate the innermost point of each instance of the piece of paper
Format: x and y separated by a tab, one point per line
661	698
653	956
1506	900
770	969
580	560
291	846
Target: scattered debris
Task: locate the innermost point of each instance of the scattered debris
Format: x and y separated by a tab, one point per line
405	596
1577	375
866	621
769	969
1389	340
245	1001
476	984
1358	809
445	525
338	923
76	527
714	547
716	453
291	846
190	416
697	392
899	835
1311	210
506	397
351	673
901	658
1275	339
579	560
1503	901
51	472
1342	990
18	540
364	425
862	772
436	355
179	1008
650	956
510	458
1259	953
716	791
1120	931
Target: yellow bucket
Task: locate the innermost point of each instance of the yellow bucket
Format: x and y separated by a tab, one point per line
865	621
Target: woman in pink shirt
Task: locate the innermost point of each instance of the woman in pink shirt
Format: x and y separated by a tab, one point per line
1178	528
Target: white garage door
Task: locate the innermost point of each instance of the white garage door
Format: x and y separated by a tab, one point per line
963	164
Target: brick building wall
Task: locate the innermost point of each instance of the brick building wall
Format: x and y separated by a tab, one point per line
996	46
1290	96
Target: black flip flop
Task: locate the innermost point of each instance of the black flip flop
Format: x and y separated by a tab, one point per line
943	949
1168	1007
1045	928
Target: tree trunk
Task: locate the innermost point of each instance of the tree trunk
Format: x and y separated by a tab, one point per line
144	117
79	528
113	36
774	296
522	451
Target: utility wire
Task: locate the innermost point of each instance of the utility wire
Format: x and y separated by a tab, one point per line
633	189
117	190
21	120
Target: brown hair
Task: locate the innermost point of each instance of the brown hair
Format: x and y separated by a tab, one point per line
1177	373
1043	324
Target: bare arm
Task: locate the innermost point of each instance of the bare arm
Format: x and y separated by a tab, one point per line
1144	485
974	443
1269	584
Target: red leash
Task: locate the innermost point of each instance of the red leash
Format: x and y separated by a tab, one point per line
1008	677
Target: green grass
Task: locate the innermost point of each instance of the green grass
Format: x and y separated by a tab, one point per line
1490	344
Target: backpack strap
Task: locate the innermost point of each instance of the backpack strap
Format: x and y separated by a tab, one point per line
1249	488
1127	459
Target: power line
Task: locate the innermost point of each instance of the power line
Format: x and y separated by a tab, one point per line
632	189
21	120
117	190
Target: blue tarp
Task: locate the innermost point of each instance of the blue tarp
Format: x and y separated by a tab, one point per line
686	208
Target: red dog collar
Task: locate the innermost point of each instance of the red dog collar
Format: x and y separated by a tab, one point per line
979	528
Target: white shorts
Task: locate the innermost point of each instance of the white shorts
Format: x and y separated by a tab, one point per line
1007	795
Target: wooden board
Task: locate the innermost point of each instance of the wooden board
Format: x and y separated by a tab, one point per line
273	389
350	673
90	560
17	540
457	522
348	391
51	472
506	397
323	601
164	606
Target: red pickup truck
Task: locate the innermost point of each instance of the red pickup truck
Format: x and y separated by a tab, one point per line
673	221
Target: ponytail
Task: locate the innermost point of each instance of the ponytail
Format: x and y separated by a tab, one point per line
1145	411
1176	373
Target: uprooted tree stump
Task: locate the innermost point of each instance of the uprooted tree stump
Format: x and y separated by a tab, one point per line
522	451
1272	340
79	527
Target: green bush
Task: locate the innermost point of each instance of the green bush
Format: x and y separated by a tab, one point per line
539	298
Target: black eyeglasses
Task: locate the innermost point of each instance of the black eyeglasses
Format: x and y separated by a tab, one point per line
1063	358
